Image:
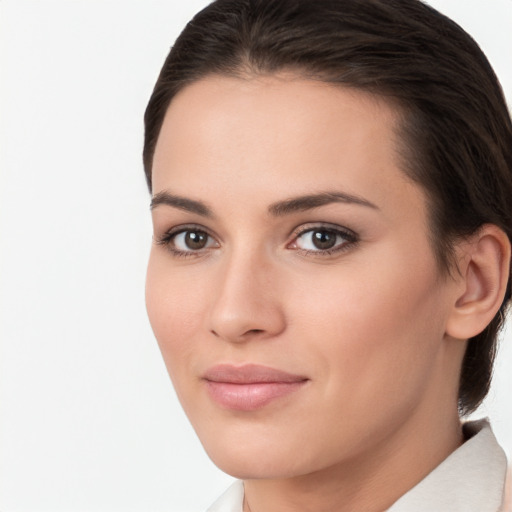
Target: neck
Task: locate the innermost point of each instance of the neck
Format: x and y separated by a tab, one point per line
373	481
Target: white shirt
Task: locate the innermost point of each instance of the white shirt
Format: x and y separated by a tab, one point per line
471	479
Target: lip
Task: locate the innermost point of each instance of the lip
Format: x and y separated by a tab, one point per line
249	387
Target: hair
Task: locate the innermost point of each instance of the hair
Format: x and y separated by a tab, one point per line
455	132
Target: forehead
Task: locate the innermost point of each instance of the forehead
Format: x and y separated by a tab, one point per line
282	106
242	136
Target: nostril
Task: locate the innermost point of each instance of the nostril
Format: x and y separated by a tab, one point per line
247	334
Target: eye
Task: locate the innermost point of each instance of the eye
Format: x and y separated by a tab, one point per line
323	240
187	241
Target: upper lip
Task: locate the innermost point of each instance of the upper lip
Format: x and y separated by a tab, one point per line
249	374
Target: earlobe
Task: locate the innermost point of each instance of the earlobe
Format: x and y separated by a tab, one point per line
484	266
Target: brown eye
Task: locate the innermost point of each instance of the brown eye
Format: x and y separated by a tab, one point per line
190	240
196	239
323	239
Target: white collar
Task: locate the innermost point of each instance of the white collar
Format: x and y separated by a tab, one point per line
471	479
232	500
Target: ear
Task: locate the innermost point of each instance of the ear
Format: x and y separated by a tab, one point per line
484	265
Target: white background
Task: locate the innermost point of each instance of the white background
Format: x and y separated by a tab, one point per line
88	419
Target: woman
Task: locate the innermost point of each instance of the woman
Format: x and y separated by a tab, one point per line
330	197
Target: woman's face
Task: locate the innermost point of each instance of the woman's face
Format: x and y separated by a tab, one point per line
291	285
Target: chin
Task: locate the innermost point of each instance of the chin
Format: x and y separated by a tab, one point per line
253	466
246	457
259	456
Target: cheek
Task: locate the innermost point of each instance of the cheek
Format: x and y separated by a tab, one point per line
175	306
376	328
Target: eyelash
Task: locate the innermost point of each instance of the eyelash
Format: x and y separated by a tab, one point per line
167	240
350	239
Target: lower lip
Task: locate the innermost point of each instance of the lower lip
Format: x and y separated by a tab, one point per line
249	397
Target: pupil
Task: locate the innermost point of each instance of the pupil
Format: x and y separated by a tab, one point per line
324	239
196	239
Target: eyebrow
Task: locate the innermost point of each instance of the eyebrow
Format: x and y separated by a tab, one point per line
182	203
308	202
286	207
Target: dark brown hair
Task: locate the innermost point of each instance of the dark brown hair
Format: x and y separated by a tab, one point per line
456	131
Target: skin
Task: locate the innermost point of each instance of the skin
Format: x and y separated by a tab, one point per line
367	324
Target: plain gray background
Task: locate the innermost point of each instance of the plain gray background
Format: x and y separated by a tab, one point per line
88	418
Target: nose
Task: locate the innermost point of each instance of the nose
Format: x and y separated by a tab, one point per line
247	304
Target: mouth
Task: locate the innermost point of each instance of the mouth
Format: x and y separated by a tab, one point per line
249	387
